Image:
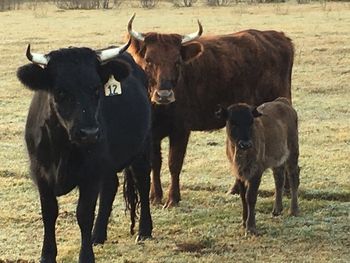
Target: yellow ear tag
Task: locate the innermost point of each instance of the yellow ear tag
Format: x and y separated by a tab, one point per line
112	87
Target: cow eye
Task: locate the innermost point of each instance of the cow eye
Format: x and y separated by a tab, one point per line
149	62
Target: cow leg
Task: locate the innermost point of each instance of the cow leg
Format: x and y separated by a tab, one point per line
242	192
293	176
278	174
156	186
141	173
88	192
286	185
49	210
177	150
251	197
235	188
108	190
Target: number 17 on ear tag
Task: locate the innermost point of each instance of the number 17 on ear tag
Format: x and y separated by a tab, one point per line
112	87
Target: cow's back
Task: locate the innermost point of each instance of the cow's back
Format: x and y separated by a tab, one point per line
249	66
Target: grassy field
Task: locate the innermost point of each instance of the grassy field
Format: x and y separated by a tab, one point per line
206	226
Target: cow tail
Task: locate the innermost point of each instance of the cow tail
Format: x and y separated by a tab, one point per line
130	197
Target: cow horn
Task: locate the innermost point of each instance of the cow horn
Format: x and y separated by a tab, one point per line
110	53
37	58
134	34
194	35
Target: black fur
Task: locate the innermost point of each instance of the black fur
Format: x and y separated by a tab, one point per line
77	137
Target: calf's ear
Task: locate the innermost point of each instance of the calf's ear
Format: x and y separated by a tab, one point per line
118	68
256	113
191	51
34	77
221	113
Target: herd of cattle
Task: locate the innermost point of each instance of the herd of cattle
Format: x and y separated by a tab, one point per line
98	112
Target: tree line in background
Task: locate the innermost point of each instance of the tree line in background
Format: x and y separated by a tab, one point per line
107	4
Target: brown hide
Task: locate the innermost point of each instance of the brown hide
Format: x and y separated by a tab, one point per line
249	66
275	139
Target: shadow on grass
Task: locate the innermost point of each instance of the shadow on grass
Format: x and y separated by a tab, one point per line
315	194
311	194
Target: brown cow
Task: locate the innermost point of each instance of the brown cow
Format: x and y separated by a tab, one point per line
258	139
190	75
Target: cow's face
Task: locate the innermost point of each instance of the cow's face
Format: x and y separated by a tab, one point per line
162	56
74	79
239	124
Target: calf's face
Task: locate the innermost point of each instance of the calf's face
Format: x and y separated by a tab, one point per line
239	123
74	79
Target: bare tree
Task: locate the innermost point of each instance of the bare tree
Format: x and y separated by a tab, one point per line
218	2
85	4
186	3
148	3
10	4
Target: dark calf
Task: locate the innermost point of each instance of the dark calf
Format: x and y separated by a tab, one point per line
257	139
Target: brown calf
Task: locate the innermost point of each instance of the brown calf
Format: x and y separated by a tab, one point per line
261	138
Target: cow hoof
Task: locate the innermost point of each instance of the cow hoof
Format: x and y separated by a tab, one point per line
156	201
98	239
139	239
156	197
170	204
251	232
276	212
294	212
234	190
47	260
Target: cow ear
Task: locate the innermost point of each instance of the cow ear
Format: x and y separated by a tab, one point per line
256	113
191	51
221	113
34	77
118	68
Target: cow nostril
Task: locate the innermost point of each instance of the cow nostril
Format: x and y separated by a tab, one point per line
89	133
245	144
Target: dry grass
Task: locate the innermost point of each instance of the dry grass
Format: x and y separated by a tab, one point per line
206	225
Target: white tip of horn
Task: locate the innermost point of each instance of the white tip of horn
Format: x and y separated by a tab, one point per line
37	58
111	53
134	34
193	36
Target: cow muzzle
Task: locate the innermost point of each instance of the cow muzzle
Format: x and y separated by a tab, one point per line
245	145
163	97
88	135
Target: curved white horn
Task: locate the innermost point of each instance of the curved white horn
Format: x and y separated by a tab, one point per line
193	36
134	34
37	58
110	53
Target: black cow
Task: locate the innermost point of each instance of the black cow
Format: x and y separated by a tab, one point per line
77	136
